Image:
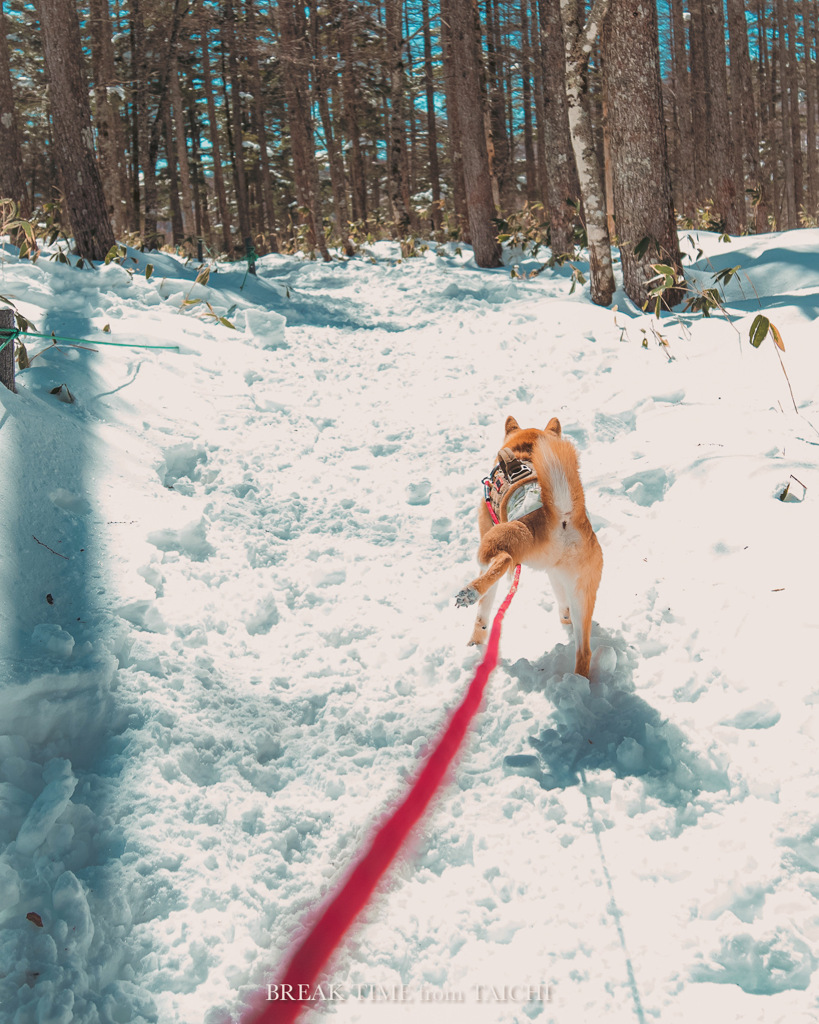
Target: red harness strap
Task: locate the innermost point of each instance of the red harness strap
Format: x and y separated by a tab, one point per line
328	930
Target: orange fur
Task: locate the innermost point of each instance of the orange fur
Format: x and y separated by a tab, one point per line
557	538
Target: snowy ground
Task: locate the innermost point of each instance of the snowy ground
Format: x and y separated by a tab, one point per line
228	632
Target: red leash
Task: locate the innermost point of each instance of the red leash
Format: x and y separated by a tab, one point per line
302	972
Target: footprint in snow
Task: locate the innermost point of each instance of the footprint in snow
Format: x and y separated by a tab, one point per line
648	487
181	466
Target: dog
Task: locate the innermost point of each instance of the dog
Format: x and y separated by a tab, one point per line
538	519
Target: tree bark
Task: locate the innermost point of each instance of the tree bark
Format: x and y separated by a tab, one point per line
178	124
238	154
111	141
579	39
790	201
85	202
295	62
456	159
472	129
396	148
644	212
216	149
432	127
808	9
685	191
265	183
742	82
728	195
526	90
562	183
12	183
7	355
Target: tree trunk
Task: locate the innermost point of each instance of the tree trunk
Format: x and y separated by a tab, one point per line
432	128
526	89
456	159
790	205
396	148
701	152
215	147
791	79
111	141
685	191
562	183
186	190
12	183
7	355
500	153
238	153
266	184
728	195
472	130
85	202
742	82
809	64
177	222
295	61
321	89
644	212
579	39
355	160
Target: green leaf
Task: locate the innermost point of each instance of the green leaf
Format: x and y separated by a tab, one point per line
224	320
106	329
759	330
149	269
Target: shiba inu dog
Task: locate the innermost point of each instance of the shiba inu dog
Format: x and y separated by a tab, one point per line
534	514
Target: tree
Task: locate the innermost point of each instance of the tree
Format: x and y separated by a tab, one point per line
643	208
295	60
12	185
85	202
464	26
562	184
396	150
111	140
579	38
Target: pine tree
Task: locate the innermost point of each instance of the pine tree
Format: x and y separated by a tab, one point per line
579	38
12	184
643	208
85	202
464	25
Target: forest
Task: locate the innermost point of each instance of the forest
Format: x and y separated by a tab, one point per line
230	128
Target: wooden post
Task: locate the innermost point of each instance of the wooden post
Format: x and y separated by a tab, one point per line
250	255
7	355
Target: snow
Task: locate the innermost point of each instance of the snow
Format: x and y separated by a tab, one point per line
229	634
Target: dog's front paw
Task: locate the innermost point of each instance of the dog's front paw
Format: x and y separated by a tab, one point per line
464	598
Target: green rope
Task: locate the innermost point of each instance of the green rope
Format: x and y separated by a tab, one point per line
82	341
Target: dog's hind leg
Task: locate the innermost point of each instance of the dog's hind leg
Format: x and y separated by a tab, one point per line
480	632
561	596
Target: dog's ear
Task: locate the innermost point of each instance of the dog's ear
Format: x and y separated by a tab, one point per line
510	425
554	425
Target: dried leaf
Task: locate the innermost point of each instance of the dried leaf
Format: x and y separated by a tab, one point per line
35	918
777	337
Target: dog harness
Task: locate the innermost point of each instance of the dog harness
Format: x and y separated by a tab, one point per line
511	490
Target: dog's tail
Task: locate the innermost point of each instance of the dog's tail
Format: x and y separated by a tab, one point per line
555	463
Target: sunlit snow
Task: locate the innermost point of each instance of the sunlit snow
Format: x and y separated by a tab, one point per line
228	634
